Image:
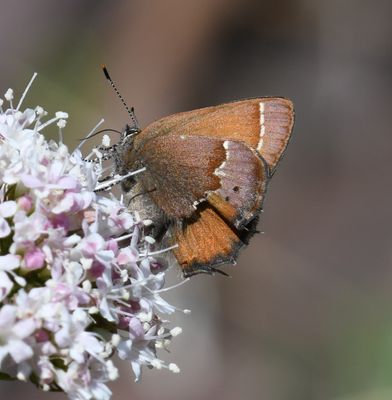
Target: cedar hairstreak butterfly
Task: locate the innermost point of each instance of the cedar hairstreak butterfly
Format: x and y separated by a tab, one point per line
206	174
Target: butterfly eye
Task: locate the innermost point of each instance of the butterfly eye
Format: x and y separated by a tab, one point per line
130	130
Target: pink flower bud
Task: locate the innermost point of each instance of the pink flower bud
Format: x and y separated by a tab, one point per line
25	203
34	259
41	336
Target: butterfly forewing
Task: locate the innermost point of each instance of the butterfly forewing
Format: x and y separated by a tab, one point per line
264	123
181	171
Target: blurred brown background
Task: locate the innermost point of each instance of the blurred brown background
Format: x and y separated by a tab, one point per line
307	314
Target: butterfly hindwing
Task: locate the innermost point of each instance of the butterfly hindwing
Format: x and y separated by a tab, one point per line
243	181
205	242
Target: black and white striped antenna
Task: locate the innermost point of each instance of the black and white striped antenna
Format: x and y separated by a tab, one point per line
130	111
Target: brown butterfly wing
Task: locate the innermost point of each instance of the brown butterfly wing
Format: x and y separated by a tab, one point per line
180	172
221	157
183	172
205	242
264	124
243	181
210	189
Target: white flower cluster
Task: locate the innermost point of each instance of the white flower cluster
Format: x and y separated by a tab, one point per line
78	282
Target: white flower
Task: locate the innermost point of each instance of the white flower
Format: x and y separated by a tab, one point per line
7	210
8	263
84	382
77	282
13	335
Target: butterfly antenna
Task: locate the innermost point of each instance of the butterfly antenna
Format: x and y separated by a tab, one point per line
130	111
101	131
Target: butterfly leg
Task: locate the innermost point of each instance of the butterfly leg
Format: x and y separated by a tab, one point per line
108	153
106	178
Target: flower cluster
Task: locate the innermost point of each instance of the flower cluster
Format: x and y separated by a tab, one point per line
78	280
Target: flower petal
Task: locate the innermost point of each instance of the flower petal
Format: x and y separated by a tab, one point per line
9	262
4	228
19	350
7	315
6	286
7	209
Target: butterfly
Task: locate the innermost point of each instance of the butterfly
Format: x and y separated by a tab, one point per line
206	175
